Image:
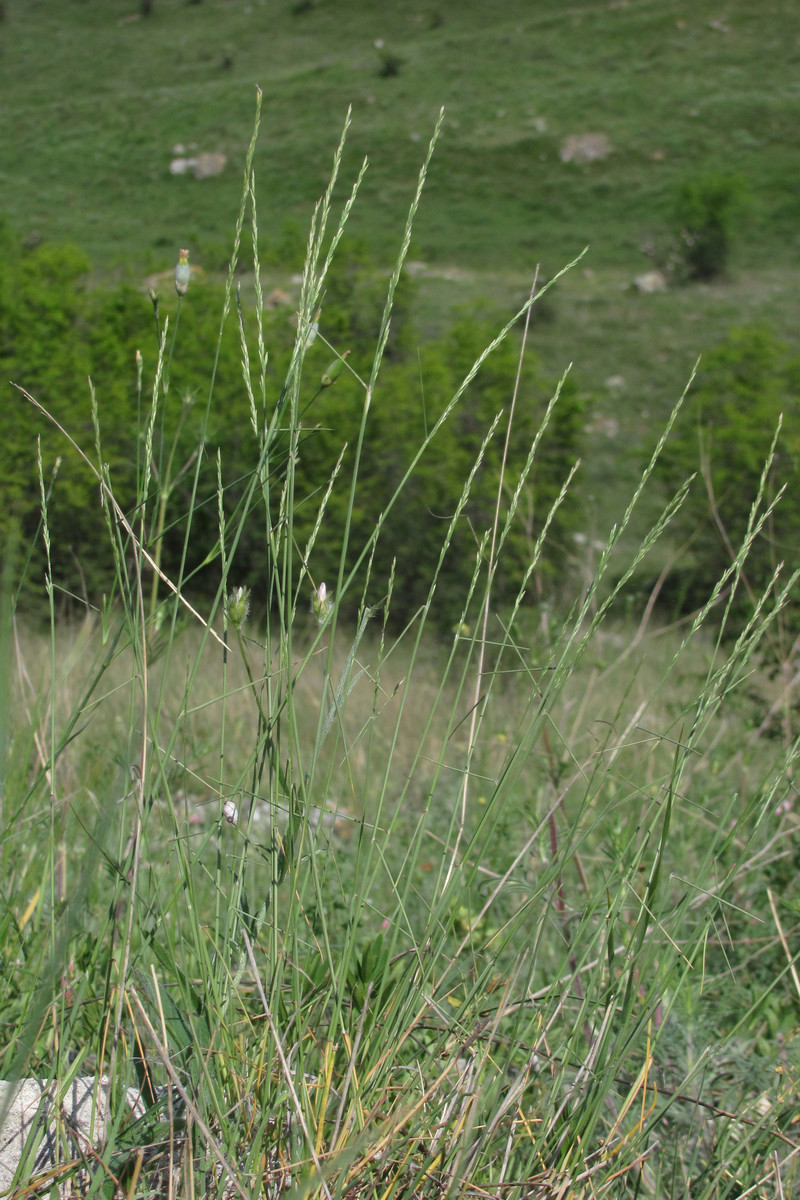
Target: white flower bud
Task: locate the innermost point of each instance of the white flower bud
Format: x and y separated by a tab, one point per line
312	329
182	273
322	603
333	371
238	606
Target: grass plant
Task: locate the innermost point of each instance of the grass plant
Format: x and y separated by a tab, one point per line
368	916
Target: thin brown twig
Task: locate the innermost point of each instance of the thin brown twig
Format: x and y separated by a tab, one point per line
784	943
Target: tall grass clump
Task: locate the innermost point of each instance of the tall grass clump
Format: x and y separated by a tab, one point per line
361	913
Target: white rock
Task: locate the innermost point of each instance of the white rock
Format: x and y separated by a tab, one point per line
585	147
202	166
651	281
206	165
58	1135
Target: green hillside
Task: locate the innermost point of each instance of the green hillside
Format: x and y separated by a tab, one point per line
97	95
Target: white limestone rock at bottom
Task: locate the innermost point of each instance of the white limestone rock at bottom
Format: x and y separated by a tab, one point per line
61	1133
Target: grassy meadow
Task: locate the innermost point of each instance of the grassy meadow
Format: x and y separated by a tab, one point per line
368	903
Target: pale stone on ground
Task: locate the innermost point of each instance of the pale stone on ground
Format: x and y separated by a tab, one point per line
202	166
64	1134
650	282
585	147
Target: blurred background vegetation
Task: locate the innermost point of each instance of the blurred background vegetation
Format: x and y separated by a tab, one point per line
650	131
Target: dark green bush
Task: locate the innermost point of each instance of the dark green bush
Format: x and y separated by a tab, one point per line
409	399
54	333
355	295
43	346
389	63
705	214
724	434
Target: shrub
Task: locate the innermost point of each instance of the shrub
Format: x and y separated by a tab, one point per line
56	334
705	215
42	343
389	64
408	400
744	387
354	301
